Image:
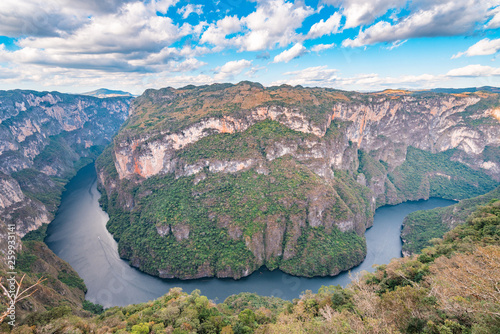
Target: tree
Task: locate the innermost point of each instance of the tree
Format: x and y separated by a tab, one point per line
13	294
469	283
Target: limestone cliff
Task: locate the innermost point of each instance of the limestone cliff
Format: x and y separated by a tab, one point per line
44	137
285	177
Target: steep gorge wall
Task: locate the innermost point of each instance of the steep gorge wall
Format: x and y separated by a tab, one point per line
43	138
381	125
326	139
386	127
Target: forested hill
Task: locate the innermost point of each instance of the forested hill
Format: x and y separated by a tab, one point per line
450	287
234	177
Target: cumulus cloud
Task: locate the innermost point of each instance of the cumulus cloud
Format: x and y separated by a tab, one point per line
482	48
494	23
427	19
322	76
79	42
362	12
295	51
216	33
328	27
321	47
474	71
136	27
134	39
37	18
311	76
273	23
231	69
190	8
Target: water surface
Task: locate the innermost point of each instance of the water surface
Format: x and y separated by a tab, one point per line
78	235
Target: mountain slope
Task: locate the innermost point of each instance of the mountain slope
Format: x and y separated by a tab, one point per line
45	138
420	227
449	288
105	93
219	180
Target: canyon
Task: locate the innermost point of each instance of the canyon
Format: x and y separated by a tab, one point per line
240	176
45	138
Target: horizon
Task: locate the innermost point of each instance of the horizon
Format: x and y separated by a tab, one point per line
351	45
266	87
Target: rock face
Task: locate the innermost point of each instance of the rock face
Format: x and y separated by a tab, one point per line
42	136
283	175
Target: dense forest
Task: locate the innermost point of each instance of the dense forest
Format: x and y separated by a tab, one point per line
450	287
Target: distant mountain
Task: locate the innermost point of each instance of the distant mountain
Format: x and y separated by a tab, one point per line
103	93
466	90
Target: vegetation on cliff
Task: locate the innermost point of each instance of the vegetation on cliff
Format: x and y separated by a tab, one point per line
424	174
170	109
450	287
45	138
230	224
233	177
420	227
61	292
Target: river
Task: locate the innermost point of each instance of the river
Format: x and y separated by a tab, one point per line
78	235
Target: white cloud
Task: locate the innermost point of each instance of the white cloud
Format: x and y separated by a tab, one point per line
322	76
136	27
328	27
231	69
39	18
134	39
396	44
482	48
272	24
295	51
362	12
321	47
216	33
427	19
494	23
190	8
474	71
311	76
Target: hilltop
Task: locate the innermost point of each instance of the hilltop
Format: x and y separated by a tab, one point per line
234	177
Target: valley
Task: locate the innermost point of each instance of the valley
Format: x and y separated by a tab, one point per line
78	235
233	188
236	177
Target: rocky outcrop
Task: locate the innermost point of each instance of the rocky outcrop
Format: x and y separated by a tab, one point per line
147	157
42	136
345	147
387	126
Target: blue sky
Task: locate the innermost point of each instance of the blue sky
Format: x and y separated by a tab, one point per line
81	45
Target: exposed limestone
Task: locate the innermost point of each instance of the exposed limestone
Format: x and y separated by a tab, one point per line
157	156
48	132
163	230
326	143
180	231
10	193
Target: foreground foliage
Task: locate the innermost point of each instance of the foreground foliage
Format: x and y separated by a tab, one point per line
451	287
420	227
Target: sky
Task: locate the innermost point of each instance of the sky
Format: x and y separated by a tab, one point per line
76	46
